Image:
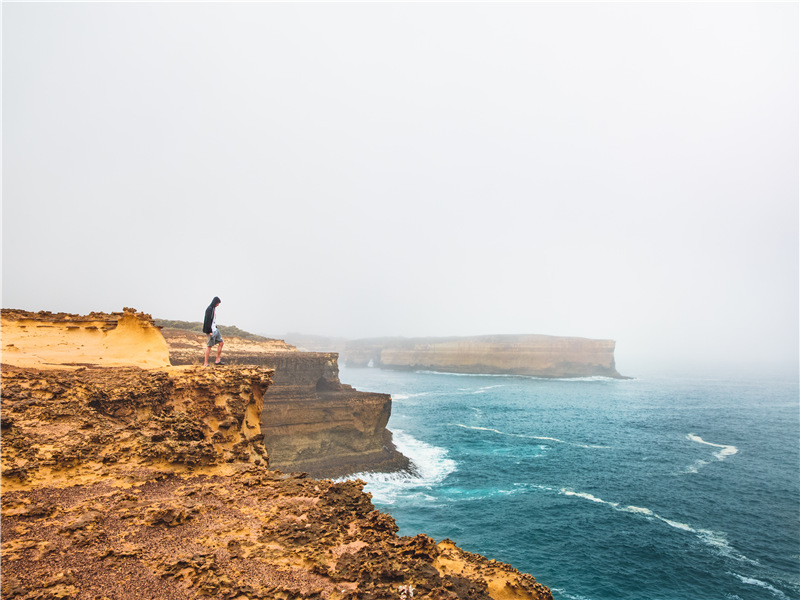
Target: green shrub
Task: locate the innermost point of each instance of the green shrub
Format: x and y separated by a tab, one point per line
197	327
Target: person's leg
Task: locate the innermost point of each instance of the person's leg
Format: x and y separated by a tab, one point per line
219	350
208	353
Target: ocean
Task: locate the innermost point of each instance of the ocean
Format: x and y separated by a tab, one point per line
603	489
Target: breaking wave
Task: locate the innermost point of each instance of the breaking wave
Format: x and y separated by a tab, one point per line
721	454
530	437
759	583
407	396
575	379
429	465
713	539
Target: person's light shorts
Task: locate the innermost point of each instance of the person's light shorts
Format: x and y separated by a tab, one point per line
214	339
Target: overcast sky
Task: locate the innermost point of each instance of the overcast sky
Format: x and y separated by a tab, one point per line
609	170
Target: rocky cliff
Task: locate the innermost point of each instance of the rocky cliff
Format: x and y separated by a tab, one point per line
311	421
532	355
130	483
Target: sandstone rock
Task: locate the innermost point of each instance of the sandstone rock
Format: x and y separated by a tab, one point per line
48	340
311	421
532	355
123	483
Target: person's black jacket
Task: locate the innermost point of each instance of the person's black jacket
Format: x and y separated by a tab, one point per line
210	315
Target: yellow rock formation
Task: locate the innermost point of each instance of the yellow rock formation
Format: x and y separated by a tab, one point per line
47	340
133	483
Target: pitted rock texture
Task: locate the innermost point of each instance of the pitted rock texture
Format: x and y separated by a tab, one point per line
254	534
123	484
67	425
311	421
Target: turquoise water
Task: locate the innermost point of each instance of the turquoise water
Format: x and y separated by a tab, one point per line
603	489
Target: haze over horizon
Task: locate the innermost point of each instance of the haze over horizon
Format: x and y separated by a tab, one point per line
625	171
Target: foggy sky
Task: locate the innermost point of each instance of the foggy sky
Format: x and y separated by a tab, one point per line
623	170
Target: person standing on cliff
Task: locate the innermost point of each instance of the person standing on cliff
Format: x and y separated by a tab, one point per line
210	329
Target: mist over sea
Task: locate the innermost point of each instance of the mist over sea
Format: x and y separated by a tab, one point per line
648	489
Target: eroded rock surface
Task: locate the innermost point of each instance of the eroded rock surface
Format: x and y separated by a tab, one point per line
124	483
64	426
311	421
254	534
55	340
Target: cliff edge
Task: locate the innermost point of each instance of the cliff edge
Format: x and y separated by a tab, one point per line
311	421
131	483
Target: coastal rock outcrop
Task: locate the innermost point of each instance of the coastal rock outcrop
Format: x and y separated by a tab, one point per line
46	339
131	483
532	355
64	426
311	421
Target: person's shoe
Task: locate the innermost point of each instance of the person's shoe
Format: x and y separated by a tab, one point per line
222	362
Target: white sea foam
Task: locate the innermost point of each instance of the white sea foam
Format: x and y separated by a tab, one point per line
714	539
722	454
639	510
486	388
759	583
586	496
530	437
430	467
718	541
570	379
696	466
407	396
567	595
677	525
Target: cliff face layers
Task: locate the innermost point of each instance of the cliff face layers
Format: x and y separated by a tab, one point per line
311	421
533	355
128	483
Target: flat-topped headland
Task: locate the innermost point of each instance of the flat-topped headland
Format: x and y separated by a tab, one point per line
142	479
524	354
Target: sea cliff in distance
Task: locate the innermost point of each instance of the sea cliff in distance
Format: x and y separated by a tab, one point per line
525	354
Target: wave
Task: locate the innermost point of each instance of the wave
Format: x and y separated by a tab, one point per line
696	466
718	541
589	378
586	496
457	494
567	595
714	539
429	464
486	388
759	583
407	396
530	437
724	452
